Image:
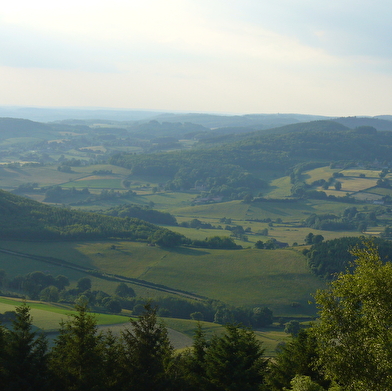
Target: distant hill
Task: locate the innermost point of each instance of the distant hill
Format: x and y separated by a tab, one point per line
262	121
356	122
224	159
14	127
46	114
25	219
233	135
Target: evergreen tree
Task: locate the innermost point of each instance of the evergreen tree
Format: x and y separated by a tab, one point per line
77	356
297	357
3	345
24	355
148	353
234	361
193	362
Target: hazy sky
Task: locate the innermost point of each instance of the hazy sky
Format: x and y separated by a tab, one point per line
329	57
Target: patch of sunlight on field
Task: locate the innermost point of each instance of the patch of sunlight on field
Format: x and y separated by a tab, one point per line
231	209
97	183
44	176
366	196
168	201
107	167
48	316
319	173
356	184
297	235
279	188
380	191
357	172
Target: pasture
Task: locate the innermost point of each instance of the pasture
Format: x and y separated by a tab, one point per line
96	182
279	279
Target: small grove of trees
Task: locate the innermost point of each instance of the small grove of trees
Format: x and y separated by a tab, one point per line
144	213
350	219
38	285
330	257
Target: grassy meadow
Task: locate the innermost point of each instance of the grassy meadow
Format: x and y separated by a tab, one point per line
279	279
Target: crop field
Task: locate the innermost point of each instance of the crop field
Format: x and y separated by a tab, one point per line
169	201
357	172
94	182
367	196
380	191
48	316
319	173
44	176
238	211
356	184
278	188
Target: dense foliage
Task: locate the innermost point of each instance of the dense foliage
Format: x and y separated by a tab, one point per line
328	258
142	358
354	334
227	168
350	219
27	219
143	213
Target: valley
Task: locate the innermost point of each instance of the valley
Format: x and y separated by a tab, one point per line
255	190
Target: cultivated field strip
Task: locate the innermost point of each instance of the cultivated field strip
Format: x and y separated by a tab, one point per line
105	276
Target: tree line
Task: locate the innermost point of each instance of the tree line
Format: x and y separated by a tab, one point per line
142	358
43	286
327	259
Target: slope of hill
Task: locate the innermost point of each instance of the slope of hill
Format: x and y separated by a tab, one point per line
356	122
322	141
219	121
24	219
13	127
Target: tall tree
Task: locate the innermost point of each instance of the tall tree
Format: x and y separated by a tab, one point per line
148	353
296	357
77	359
234	361
25	355
354	333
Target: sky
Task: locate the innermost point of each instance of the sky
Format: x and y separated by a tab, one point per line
325	57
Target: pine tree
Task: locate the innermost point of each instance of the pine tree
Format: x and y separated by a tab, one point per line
148	353
77	360
234	361
25	355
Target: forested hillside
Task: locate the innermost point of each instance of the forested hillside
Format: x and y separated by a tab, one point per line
230	164
24	219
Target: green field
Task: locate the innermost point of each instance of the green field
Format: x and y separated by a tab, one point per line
48	316
249	277
96	183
